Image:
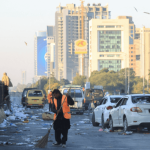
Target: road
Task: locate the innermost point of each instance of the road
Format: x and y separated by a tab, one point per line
82	135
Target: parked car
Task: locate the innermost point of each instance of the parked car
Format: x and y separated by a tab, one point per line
35	98
131	111
101	112
24	94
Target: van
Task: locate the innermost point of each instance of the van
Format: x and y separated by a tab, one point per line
35	98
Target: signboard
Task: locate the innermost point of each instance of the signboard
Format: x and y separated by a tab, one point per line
81	47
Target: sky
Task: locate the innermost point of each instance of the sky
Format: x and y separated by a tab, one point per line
20	19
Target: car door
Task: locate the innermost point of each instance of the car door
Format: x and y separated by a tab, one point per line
115	114
102	108
122	108
97	111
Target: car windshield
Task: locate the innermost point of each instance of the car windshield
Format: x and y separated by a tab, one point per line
115	99
88	92
35	94
141	99
98	93
74	93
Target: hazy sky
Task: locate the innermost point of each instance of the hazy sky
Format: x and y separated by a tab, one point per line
20	19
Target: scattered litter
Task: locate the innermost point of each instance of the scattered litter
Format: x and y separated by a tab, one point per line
129	132
5	143
26	121
77	129
34	117
81	122
19	144
13	125
4	124
11	118
30	145
33	143
44	128
7	112
2	130
19	123
100	129
106	130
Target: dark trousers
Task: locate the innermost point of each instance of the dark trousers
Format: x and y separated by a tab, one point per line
58	136
49	106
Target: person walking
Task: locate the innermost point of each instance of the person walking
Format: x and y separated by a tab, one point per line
122	92
62	122
91	103
50	100
6	83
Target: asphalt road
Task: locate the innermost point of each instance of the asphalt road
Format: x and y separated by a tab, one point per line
82	135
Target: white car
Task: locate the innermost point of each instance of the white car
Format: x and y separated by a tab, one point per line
101	112
131	111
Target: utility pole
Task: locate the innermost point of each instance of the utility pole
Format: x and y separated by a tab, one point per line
82	21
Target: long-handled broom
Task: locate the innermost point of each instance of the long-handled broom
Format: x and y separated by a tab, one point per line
43	142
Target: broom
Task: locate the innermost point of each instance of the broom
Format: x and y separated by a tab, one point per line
43	142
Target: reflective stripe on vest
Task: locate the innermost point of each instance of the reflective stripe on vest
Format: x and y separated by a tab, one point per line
65	108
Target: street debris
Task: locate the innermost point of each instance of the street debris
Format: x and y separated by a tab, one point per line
126	133
100	129
19	144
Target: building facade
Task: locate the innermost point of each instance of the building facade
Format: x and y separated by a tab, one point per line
40	49
68	29
110	43
142	46
50	50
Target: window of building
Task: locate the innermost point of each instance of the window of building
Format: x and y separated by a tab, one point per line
131	51
130	41
131	27
110	26
131	47
132	64
131	55
117	55
109	41
104	9
131	59
101	55
131	31
114	65
97	9
110	55
90	9
137	57
100	26
97	17
118	26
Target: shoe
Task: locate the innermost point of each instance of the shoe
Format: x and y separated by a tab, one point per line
56	144
64	145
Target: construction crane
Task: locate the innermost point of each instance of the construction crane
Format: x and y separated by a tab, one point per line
82	25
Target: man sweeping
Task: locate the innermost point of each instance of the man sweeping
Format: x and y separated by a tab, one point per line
62	123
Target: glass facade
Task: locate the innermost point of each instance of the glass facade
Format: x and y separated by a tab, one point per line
111	64
109	41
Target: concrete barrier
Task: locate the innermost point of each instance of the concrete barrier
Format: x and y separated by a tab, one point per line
2	115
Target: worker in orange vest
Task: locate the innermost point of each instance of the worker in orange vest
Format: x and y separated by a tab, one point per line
50	99
62	122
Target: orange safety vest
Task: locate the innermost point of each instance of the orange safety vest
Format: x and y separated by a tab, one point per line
65	108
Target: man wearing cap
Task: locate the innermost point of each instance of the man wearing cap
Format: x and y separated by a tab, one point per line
62	122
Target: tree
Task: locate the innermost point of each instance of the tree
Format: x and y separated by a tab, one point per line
64	82
79	80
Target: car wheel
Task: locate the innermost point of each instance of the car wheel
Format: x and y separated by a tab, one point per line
102	122
111	124
93	120
125	125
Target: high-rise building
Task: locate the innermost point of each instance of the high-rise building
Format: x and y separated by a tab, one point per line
50	50
68	27
110	43
40	49
142	53
23	76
